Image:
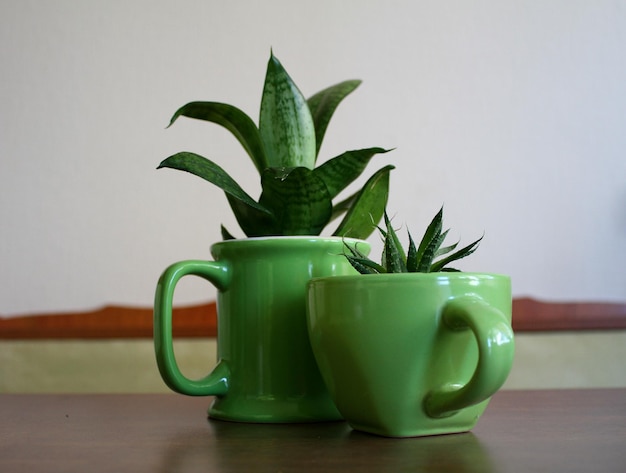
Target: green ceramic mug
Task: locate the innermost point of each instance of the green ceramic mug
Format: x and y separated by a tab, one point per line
412	354
266	371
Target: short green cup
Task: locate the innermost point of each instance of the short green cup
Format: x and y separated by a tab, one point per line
411	354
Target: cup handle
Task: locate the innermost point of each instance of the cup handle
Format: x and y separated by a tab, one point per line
216	382
496	347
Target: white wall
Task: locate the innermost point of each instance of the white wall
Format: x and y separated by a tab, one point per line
510	112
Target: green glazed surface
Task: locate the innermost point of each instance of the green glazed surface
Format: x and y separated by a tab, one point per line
266	371
412	354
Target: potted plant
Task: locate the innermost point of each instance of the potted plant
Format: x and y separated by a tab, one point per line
410	346
266	371
297	197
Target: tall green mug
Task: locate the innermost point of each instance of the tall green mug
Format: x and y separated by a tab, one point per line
412	354
266	371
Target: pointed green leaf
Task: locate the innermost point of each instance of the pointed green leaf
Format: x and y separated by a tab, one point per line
391	234
252	221
323	105
339	172
433	232
360	261
462	253
298	199
368	208
383	235
395	260
234	120
285	124
354	250
383	256
208	170
226	235
365	265
446	249
343	206
382	232
429	254
411	257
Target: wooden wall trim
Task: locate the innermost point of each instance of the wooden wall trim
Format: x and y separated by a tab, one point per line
110	322
529	315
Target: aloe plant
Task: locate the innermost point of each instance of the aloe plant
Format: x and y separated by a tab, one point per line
427	257
297	197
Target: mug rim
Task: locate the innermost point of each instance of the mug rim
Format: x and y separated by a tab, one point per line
294	238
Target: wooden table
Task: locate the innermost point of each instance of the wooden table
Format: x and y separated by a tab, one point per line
521	431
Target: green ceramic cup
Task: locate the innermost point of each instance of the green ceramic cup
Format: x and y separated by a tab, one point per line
266	371
412	354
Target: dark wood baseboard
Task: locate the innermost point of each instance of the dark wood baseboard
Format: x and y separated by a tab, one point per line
111	322
529	315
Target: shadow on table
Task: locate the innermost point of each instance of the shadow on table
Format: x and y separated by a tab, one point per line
236	447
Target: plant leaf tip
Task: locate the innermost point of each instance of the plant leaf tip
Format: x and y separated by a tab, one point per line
418	259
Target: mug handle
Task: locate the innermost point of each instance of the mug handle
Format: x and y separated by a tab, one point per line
216	382
496	347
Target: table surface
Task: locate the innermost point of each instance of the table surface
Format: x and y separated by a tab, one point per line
521	431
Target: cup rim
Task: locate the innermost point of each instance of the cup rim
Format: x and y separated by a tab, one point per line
390	277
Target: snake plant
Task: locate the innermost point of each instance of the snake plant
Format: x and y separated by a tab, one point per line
418	259
296	197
